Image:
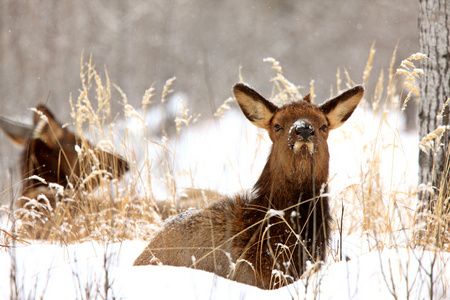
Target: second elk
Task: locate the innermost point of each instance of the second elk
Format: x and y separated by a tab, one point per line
56	163
265	238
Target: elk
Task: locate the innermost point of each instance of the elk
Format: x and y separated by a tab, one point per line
264	238
54	155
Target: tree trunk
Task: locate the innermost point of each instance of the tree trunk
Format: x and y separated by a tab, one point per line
434	25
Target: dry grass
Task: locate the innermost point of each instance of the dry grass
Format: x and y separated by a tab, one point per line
383	214
108	209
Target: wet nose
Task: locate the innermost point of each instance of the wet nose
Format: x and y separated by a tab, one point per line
304	130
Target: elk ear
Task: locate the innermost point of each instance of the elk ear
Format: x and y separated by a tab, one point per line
307	98
339	109
46	128
18	133
257	109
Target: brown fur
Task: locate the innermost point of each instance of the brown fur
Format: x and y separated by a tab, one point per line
49	153
188	198
285	221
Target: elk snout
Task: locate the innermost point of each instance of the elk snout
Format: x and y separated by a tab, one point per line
304	130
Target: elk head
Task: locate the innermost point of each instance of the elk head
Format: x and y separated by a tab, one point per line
53	154
299	132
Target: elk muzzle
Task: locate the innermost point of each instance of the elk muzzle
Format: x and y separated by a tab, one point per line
303	132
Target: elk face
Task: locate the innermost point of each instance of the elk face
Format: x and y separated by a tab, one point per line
298	130
51	150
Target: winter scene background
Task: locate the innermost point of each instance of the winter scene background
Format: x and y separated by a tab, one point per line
172	116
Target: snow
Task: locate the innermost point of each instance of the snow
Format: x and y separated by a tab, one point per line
224	155
227	155
272	213
79	272
298	124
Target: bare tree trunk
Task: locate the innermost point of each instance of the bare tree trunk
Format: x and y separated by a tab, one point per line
434	24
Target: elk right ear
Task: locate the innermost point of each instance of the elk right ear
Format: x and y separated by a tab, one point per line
254	106
46	128
339	109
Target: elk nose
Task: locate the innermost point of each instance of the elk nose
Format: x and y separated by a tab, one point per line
304	130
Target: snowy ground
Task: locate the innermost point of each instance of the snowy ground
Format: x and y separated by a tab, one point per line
79	272
221	156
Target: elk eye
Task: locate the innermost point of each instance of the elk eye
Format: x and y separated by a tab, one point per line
324	128
278	128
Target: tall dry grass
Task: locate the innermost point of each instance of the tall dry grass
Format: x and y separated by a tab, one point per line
382	213
380	202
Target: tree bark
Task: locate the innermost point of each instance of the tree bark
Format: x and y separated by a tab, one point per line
434	25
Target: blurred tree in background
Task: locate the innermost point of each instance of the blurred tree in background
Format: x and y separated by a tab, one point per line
435	92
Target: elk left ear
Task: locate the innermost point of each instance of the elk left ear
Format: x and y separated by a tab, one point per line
46	128
254	106
339	109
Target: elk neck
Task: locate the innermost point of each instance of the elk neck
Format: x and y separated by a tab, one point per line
279	188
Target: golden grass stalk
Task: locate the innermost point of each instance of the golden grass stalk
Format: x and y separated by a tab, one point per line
338	82
146	99
311	91
368	67
350	83
223	108
166	89
183	118
378	92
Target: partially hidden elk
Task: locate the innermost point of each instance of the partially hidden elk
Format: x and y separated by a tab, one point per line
55	160
265	238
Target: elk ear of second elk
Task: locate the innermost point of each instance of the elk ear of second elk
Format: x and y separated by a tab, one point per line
266	237
56	163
